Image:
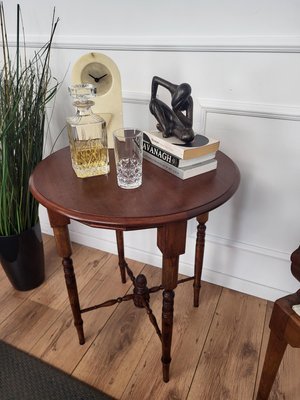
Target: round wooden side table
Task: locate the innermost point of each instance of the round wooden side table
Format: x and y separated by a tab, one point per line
163	201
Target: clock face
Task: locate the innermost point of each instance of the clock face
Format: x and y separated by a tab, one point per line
99	75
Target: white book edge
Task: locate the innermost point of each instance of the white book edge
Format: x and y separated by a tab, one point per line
196	160
186	172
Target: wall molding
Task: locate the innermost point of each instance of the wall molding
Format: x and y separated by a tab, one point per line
238	43
248	247
136	98
246	109
230	107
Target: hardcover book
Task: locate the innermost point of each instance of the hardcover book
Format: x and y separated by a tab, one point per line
173	160
185	172
200	146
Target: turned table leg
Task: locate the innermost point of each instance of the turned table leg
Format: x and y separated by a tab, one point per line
122	262
199	253
171	241
59	225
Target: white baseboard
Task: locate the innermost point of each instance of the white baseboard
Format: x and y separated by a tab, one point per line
246	278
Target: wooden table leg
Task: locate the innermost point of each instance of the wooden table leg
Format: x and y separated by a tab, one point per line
171	241
122	262
275	351
285	329
199	253
59	224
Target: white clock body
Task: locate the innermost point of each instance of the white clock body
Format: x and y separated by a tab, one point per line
103	73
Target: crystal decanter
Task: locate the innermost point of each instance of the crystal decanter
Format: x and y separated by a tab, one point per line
87	134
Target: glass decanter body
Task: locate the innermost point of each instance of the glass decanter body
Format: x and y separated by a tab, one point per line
87	135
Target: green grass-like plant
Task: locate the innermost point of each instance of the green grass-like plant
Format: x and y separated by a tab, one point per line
26	86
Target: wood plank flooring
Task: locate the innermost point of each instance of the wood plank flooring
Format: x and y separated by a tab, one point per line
217	349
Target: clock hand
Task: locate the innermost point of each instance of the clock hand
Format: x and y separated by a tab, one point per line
96	79
101	77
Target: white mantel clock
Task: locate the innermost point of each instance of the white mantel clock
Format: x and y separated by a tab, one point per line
103	73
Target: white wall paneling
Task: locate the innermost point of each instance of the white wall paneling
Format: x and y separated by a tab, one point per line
272	111
242	60
261	221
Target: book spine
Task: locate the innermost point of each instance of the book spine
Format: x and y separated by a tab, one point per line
160	154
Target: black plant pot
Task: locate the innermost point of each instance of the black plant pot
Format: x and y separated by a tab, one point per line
22	258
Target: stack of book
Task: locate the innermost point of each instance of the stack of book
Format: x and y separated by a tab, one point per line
184	160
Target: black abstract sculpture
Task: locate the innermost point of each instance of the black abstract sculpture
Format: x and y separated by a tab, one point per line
177	121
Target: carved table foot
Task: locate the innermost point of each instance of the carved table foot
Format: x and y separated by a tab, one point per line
167	329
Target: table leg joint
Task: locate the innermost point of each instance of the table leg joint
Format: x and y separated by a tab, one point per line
140	297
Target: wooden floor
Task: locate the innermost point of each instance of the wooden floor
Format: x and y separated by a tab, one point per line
217	349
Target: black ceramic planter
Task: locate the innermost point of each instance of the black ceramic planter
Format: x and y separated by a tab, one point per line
22	258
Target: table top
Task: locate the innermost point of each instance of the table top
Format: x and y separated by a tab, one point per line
162	198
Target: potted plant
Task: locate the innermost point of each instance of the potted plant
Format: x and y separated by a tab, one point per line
26	86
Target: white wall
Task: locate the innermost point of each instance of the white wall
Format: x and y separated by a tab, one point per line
242	61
